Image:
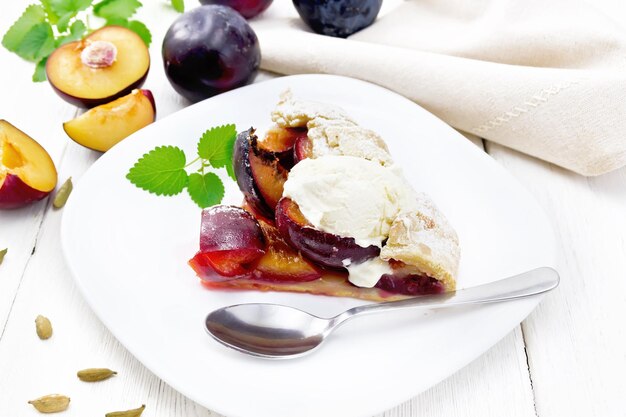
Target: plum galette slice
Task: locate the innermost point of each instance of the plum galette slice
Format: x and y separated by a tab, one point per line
326	211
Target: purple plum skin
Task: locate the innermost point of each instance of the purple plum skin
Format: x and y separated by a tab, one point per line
321	247
226	228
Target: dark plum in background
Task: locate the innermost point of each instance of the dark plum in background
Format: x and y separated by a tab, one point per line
209	50
340	18
247	8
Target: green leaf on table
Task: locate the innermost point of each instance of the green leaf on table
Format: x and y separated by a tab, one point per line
141	30
178	5
116	9
32	16
38	42
40	71
2	253
65	7
161	171
77	30
205	190
216	146
50	13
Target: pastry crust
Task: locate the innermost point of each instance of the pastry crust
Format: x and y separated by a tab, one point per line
330	129
424	239
339	137
297	113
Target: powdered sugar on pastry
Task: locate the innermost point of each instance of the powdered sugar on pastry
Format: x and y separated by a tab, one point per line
424	238
338	137
297	113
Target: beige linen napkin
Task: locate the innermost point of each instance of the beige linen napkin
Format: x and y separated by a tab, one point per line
547	78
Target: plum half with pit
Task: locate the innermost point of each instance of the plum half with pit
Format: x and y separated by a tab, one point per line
324	248
247	8
260	176
339	18
209	50
231	241
106	65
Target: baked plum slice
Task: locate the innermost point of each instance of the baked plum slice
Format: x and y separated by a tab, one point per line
302	149
413	284
324	248
260	176
280	142
231	241
281	263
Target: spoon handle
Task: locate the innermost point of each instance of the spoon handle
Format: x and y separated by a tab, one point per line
527	284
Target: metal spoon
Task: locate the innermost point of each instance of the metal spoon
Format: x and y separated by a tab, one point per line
277	331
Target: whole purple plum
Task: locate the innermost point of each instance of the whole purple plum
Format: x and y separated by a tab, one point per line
209	50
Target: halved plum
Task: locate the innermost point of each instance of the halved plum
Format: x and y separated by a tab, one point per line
324	248
231	241
106	65
281	262
260	175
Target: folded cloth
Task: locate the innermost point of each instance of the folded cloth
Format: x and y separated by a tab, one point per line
547	78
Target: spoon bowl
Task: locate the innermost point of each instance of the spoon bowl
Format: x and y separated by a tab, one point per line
268	330
276	331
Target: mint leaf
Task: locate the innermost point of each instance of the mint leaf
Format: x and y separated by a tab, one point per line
40	71
116	9
37	43
205	190
64	7
50	14
77	30
178	5
64	21
141	30
161	171
216	145
32	16
2	253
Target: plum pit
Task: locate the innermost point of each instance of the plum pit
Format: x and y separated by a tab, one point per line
99	54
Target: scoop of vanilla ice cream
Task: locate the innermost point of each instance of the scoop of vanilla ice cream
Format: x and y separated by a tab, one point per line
349	196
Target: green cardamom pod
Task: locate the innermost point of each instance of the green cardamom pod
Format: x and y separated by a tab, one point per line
44	327
53	403
64	192
2	253
128	413
95	374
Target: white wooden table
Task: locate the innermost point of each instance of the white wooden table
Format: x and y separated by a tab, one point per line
567	359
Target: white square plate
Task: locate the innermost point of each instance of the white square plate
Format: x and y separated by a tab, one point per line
128	252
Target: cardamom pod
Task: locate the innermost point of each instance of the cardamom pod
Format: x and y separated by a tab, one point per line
53	403
64	192
95	374
128	413
44	327
2	253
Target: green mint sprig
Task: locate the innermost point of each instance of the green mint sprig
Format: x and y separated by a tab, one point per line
178	5
163	170
45	26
